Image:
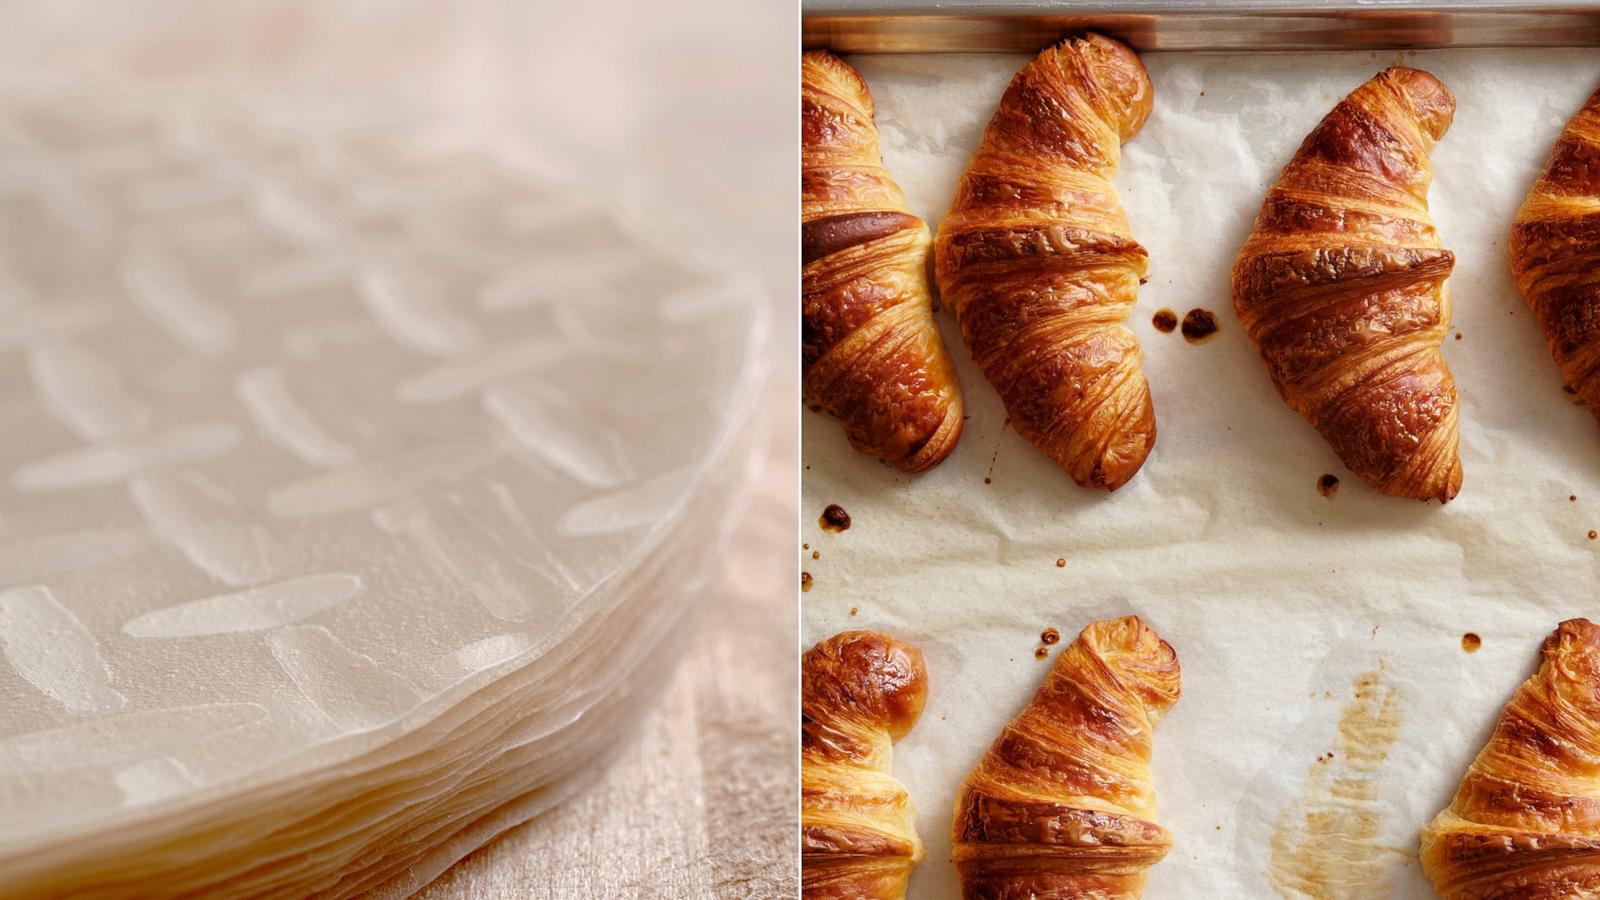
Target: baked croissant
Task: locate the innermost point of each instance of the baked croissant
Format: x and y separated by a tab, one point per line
859	692
1555	252
1063	804
873	356
1036	258
1525	822
1342	287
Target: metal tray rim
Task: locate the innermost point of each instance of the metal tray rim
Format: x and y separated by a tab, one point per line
901	26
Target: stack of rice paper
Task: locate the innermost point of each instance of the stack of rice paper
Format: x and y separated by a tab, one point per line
356	487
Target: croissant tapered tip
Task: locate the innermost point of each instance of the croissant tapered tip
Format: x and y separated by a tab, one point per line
1572	635
1441	489
1452	482
1431	101
835	69
1120	72
827	60
1126	456
1121	635
939	444
882	677
1144	661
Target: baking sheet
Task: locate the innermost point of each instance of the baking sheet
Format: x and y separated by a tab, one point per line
1306	626
917	26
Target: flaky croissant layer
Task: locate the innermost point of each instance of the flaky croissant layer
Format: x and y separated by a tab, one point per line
1037	260
1063	803
1555	252
1341	285
871	351
859	692
1525	822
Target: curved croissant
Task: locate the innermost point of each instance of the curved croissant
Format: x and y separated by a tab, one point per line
1342	287
860	691
1037	260
873	356
1063	804
1555	252
1525	822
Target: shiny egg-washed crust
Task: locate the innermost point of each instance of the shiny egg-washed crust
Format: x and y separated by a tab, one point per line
1342	287
859	692
1555	252
1037	260
1063	804
1525	823
872	354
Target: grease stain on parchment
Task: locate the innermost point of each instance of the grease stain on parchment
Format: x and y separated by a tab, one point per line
1326	844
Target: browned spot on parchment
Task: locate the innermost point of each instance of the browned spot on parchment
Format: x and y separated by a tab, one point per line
834	519
1199	325
1326	844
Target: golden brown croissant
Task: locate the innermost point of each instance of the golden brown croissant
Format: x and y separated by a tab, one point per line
1063	804
1342	287
1555	252
1525	822
1037	260
873	356
859	692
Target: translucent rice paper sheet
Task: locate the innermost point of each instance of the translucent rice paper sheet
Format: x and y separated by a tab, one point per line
1306	626
310	434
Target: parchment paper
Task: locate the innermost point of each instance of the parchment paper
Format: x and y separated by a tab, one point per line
1277	600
